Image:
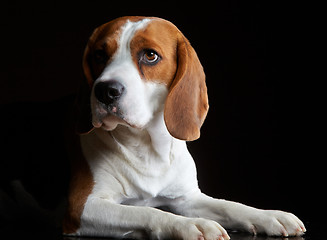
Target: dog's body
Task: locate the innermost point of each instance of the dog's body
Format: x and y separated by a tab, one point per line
147	96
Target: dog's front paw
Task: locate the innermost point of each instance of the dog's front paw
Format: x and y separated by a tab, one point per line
192	229
276	223
200	229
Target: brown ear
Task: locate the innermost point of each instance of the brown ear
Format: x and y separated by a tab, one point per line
187	101
83	105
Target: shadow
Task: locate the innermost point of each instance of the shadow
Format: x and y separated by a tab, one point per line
233	236
245	236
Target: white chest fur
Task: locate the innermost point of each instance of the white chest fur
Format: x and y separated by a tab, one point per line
130	165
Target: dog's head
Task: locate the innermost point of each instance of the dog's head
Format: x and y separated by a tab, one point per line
136	67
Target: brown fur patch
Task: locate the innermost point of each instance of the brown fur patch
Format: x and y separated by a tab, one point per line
158	35
81	185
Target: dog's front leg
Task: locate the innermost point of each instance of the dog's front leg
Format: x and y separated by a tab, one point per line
103	218
236	216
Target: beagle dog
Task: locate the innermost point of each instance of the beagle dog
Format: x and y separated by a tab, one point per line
144	96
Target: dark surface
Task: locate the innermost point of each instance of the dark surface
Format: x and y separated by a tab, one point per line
313	234
233	236
260	144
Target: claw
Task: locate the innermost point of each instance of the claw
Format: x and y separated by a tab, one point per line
225	236
284	233
254	230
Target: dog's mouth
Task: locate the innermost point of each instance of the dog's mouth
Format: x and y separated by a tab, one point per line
108	122
108	117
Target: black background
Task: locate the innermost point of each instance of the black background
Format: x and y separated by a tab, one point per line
260	143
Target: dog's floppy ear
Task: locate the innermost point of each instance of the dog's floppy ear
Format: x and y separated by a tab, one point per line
83	105
187	101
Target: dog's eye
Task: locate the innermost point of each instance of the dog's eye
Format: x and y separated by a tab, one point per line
100	57
150	57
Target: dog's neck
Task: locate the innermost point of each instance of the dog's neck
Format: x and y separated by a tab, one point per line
154	138
161	140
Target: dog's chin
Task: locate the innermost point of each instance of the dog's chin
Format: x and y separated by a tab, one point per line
110	122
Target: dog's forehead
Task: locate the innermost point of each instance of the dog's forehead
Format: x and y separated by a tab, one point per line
155	28
126	37
157	31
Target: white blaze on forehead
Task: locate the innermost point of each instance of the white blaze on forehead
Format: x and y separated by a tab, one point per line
128	32
123	54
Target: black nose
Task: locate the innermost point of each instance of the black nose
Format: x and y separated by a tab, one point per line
108	92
